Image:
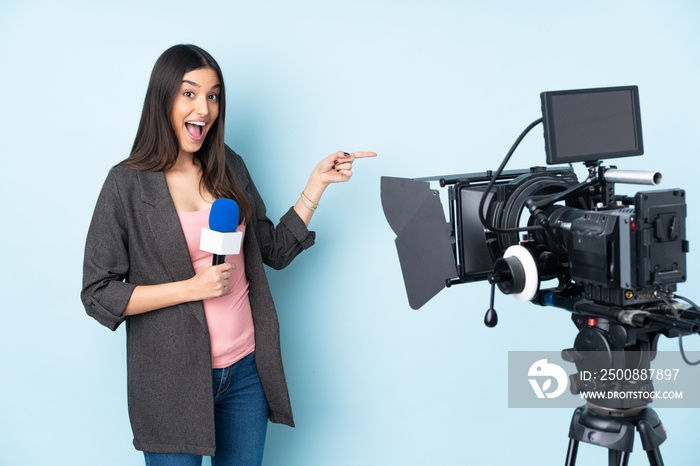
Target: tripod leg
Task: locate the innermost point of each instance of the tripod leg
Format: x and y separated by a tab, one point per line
624	458
655	457
618	458
571	453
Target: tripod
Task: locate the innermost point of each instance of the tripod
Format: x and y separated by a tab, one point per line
614	430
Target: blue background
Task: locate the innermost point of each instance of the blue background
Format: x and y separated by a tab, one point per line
434	87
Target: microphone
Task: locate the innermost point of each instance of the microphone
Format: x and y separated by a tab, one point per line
221	238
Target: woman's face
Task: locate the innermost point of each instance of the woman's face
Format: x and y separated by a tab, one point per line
195	108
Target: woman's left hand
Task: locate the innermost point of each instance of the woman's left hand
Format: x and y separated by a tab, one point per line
337	167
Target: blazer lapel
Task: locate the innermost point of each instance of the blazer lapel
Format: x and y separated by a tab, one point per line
166	229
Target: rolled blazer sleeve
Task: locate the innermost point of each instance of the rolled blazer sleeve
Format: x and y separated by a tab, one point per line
280	244
105	294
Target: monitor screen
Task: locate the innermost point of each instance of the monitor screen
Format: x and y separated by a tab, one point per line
591	124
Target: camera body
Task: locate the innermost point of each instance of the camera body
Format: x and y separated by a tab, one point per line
617	250
622	256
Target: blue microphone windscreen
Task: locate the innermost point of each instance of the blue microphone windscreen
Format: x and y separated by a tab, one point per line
223	216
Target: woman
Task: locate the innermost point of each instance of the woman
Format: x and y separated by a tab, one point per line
203	354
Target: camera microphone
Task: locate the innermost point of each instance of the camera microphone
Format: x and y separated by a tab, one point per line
221	238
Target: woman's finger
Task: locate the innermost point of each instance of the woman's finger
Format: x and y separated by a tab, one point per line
344	174
362	155
340	156
337	167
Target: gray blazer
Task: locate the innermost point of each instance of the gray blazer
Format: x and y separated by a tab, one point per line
135	238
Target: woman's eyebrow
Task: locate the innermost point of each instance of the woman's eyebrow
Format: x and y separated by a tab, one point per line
215	86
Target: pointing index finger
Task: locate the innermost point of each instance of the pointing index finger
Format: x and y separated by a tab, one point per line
361	155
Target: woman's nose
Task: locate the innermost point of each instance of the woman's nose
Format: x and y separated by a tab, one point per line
201	106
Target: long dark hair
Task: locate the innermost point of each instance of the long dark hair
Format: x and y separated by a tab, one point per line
156	146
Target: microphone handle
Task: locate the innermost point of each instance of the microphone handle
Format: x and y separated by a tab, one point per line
218	259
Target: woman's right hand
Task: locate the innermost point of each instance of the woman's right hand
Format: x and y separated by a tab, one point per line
211	281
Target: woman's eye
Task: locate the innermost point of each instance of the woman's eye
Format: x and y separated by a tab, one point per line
214	97
188	94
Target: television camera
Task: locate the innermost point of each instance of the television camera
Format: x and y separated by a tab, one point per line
616	259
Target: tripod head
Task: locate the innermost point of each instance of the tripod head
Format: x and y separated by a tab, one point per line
613	357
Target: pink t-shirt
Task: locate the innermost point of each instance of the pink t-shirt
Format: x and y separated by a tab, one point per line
229	317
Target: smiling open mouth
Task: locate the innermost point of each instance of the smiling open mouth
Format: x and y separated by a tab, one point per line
195	129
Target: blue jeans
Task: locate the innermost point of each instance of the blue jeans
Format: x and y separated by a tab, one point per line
240	412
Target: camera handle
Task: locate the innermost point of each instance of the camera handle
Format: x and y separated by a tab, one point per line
599	178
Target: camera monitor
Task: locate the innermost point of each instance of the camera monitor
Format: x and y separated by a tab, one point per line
591	124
